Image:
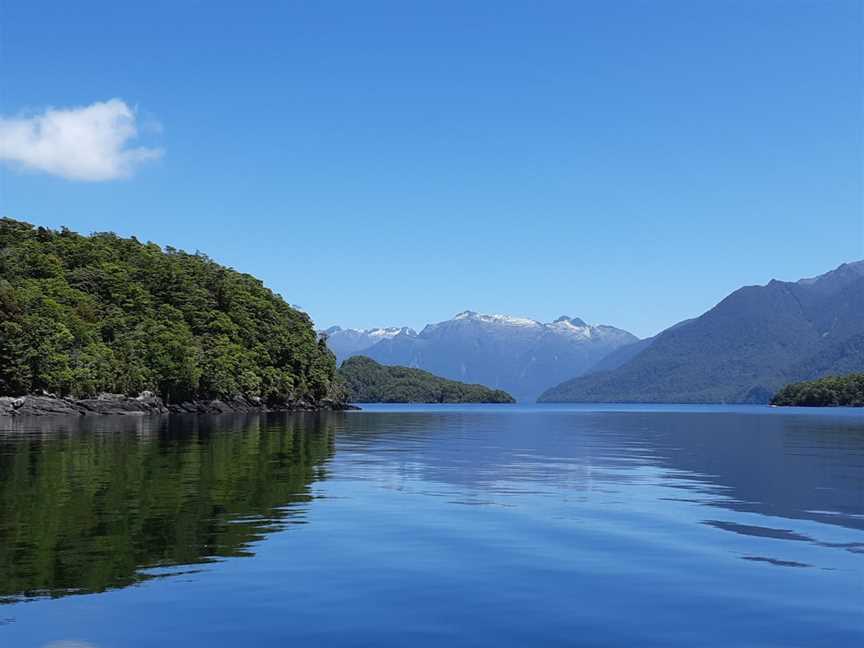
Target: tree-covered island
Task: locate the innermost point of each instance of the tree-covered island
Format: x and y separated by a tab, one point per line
836	391
370	382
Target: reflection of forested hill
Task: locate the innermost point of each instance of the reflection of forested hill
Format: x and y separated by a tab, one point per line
86	504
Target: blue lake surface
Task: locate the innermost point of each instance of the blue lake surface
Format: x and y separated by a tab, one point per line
500	525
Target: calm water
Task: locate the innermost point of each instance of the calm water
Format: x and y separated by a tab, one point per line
429	526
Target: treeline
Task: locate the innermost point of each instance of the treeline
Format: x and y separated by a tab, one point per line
80	315
831	391
367	381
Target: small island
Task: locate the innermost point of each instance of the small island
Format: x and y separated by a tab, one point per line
831	391
370	382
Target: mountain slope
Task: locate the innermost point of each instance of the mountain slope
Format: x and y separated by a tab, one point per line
520	355
745	348
369	382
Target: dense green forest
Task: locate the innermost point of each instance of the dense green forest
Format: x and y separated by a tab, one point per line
81	315
92	505
825	392
369	382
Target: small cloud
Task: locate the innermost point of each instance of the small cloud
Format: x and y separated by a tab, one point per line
69	644
85	143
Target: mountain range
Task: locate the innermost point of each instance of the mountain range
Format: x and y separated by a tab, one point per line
521	356
748	346
345	343
743	350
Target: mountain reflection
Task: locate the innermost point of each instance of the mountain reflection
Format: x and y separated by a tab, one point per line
756	460
94	504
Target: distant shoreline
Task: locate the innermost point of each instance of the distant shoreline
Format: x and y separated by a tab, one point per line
148	405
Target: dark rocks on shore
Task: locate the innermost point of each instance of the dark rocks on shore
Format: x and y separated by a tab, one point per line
148	404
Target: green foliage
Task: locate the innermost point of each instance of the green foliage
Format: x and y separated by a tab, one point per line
82	315
86	509
831	391
15	373
370	382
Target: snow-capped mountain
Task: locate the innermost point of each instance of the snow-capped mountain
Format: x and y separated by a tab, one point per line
347	342
520	355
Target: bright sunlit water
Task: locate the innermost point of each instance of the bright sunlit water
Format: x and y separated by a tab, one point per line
430	526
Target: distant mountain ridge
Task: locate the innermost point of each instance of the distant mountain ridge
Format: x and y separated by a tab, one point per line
744	349
520	355
345	343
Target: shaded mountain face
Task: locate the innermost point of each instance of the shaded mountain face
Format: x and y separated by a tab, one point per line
624	354
345	343
521	356
743	350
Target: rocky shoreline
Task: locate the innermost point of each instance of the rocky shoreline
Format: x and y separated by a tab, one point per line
148	404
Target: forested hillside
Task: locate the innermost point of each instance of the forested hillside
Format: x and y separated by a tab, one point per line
81	315
370	382
744	349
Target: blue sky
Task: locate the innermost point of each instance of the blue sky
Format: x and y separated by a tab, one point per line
393	163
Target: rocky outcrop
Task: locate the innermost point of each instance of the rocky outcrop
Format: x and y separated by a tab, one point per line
49	404
254	405
146	404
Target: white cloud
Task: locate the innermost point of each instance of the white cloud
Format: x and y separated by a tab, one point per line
87	143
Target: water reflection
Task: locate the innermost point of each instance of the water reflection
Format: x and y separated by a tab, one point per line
96	504
756	460
757	465
88	505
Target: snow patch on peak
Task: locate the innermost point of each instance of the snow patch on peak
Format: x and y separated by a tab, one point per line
572	326
507	320
575	321
390	332
510	320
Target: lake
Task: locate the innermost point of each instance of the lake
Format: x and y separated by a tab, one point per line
435	525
